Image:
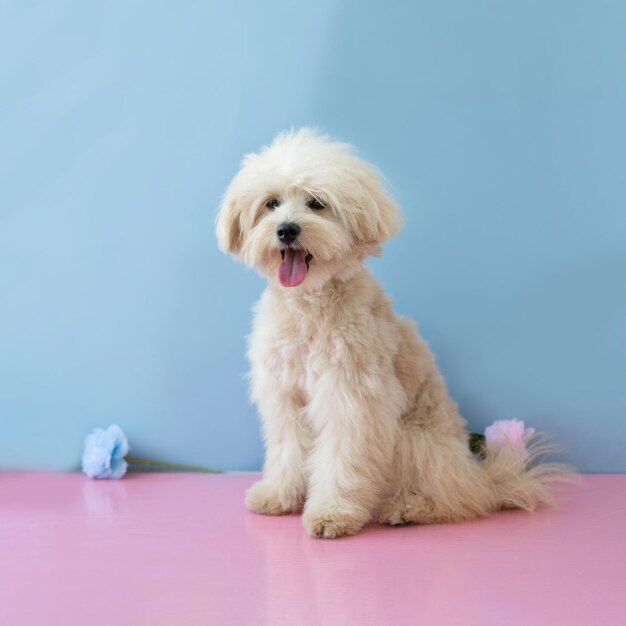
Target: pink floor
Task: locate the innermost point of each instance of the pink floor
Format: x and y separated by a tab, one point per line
181	550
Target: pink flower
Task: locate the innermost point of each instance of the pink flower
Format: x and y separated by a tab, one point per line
508	432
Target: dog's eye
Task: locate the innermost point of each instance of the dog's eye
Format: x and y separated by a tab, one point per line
272	204
315	204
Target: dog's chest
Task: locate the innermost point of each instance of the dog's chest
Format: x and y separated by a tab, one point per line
292	343
301	352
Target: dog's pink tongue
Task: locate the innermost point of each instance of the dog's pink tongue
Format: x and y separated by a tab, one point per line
292	271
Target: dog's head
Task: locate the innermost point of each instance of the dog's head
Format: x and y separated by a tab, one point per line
305	209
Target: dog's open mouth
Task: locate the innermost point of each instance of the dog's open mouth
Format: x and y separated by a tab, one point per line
294	266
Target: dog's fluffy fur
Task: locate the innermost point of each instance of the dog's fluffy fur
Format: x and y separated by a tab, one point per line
357	421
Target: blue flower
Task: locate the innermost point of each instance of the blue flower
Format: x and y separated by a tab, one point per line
104	451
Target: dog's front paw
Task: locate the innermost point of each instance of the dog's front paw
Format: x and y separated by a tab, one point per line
329	523
268	499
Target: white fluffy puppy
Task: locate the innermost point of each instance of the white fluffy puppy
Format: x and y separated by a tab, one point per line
357	421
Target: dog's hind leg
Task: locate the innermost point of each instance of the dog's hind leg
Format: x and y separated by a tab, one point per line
436	480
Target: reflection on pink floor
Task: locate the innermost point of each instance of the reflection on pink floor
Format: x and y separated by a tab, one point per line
181	550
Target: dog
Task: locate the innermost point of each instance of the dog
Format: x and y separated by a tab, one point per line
357	422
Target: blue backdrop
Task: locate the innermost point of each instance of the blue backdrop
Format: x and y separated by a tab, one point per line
501	126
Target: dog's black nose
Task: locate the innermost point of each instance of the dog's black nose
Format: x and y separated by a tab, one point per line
287	232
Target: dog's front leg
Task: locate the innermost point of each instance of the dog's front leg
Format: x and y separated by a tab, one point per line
356	421
287	440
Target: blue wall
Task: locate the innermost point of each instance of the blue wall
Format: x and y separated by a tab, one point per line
501	126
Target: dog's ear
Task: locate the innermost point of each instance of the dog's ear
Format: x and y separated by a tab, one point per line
228	225
377	217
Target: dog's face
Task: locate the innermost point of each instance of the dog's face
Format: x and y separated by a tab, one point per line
304	210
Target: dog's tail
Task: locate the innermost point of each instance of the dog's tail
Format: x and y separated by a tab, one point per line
520	476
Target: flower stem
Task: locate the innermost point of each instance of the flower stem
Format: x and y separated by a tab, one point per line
137	460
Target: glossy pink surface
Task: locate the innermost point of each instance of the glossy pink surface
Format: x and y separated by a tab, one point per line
180	549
